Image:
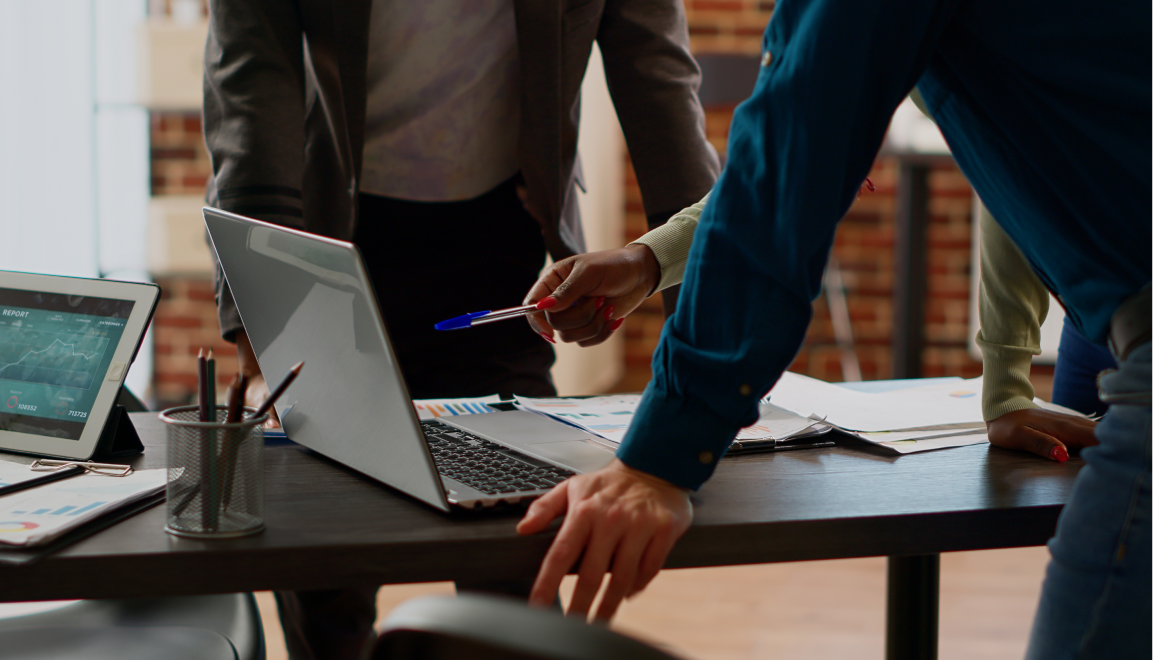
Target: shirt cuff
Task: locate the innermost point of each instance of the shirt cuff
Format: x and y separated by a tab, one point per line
675	439
1005	385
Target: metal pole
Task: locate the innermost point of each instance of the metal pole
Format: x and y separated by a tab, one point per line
912	607
909	269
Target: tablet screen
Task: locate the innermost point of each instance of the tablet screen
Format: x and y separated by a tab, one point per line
55	350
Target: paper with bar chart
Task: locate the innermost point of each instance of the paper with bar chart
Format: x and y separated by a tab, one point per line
432	408
42	513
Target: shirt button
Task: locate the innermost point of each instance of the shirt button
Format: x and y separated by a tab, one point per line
766	58
745	390
705	457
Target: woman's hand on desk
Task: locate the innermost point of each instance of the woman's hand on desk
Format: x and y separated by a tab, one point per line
593	293
1043	432
620	519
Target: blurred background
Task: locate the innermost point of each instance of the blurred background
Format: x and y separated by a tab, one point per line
103	171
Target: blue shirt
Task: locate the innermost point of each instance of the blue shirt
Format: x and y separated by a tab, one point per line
1047	108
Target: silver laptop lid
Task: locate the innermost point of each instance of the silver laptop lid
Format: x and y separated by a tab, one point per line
305	297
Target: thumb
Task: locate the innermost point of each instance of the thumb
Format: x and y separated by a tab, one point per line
546	509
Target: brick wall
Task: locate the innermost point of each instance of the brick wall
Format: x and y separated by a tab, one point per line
864	246
186	322
180	164
727	26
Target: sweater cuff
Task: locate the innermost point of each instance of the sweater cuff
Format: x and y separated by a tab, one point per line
670	249
675	439
1005	386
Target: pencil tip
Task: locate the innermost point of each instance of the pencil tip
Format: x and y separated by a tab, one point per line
209	354
297	366
200	354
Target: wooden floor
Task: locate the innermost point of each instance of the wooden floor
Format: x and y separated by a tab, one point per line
810	610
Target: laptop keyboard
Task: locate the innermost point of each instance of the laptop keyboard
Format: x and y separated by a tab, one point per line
487	466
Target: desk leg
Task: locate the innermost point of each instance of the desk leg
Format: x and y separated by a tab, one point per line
913	599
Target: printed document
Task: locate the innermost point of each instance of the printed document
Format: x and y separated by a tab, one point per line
609	416
42	513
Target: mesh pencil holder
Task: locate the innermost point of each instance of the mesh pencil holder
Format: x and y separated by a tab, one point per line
215	474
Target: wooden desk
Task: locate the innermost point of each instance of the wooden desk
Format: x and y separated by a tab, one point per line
330	527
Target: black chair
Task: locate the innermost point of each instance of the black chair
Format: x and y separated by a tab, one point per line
223	627
479	627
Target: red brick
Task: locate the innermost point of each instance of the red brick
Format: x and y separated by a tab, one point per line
750	31
718	5
187	380
176	322
172	153
195	181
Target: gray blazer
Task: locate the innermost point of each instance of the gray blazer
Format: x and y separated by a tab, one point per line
284	110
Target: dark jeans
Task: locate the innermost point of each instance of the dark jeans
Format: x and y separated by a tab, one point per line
1075	376
430	262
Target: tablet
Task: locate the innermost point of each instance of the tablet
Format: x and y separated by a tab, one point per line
65	347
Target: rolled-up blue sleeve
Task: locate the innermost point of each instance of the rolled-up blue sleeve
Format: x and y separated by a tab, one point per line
799	149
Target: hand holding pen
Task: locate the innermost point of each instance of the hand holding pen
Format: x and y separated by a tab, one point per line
585	297
588	296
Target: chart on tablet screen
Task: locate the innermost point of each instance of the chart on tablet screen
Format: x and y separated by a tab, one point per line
62	358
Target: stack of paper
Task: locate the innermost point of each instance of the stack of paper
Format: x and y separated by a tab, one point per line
942	414
609	417
39	514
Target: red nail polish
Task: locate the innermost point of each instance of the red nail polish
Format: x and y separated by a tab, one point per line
609	312
1059	454
616	324
546	303
548	338
600	302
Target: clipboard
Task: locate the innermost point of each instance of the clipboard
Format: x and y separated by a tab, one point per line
39	480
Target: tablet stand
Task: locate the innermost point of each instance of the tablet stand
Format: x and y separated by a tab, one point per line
119	437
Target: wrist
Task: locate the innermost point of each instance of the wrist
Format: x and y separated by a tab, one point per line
648	267
245	356
651	479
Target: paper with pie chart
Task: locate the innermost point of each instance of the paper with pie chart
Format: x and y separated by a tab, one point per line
39	514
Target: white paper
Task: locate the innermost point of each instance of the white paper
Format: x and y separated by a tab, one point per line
39	514
910	446
14	473
432	408
610	416
956	404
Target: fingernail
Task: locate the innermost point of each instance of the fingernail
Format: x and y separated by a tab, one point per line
616	324
1059	454
609	311
600	302
546	302
548	338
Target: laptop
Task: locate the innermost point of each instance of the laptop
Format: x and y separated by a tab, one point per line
306	297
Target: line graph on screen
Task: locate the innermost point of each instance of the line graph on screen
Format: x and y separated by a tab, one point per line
60	359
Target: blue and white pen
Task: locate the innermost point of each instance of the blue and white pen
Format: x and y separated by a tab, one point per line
480	318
